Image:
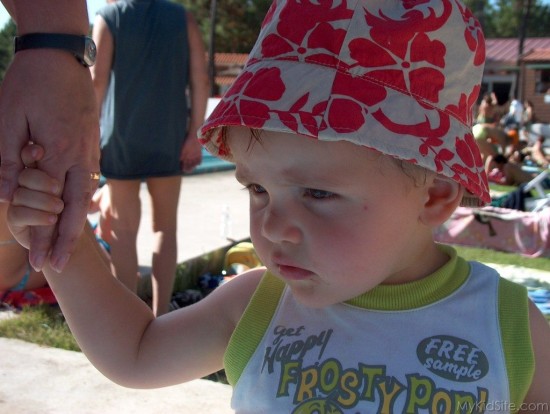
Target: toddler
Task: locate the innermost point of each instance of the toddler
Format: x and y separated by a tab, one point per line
350	128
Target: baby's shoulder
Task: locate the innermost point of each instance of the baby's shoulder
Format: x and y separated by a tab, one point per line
234	295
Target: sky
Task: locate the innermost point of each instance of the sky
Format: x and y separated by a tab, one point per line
93	6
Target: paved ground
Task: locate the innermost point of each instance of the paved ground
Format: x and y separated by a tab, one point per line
203	200
38	380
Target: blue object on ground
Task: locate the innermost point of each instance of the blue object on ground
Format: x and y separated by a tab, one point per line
212	164
541	298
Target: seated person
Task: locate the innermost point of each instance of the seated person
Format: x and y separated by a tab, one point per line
537	154
20	284
17	275
507	171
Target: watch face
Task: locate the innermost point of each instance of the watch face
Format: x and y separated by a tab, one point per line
90	52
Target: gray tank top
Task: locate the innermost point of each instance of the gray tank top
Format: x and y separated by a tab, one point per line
145	110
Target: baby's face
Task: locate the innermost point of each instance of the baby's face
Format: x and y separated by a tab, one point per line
332	219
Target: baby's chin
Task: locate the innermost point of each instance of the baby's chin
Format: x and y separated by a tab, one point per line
313	295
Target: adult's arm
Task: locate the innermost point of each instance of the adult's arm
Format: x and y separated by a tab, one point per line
49	16
104	61
191	154
47	97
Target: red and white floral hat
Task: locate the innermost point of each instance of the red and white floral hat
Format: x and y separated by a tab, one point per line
400	77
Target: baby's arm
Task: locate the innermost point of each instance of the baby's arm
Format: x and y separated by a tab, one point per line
117	330
538	397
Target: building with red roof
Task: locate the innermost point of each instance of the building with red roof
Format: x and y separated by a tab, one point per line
507	74
525	76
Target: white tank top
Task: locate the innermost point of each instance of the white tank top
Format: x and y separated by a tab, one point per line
442	357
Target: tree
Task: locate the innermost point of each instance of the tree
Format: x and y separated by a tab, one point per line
6	46
539	20
504	18
481	10
237	24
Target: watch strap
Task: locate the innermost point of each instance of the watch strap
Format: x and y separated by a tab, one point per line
74	44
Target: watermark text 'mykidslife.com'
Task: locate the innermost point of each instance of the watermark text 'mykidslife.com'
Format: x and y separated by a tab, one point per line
504	406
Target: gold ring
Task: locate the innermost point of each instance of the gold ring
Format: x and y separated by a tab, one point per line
95	176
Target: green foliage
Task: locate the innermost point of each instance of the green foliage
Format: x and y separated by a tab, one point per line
42	325
237	22
502	258
504	18
6	46
539	22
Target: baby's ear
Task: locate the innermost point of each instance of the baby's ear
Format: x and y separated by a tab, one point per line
444	196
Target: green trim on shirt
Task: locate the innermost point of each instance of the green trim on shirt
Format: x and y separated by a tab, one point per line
422	292
252	326
513	313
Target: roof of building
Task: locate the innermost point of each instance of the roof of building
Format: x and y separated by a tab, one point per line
231	59
507	50
228	67
537	55
503	50
225	80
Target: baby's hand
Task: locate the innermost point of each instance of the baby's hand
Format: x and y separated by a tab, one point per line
37	201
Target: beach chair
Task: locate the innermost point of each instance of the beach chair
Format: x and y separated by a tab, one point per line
543	199
507	230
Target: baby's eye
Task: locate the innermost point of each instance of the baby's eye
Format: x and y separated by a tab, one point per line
319	194
255	189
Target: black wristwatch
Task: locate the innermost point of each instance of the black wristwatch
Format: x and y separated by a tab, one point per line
82	47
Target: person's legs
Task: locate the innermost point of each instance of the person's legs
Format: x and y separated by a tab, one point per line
164	193
125	212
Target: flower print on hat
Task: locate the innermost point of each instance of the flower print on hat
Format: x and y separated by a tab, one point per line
399	77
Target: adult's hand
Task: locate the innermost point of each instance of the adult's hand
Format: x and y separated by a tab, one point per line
47	97
191	154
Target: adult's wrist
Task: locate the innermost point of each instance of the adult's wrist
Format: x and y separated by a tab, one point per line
81	47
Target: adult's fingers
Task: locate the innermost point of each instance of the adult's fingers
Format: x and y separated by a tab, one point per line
77	195
41	237
189	164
